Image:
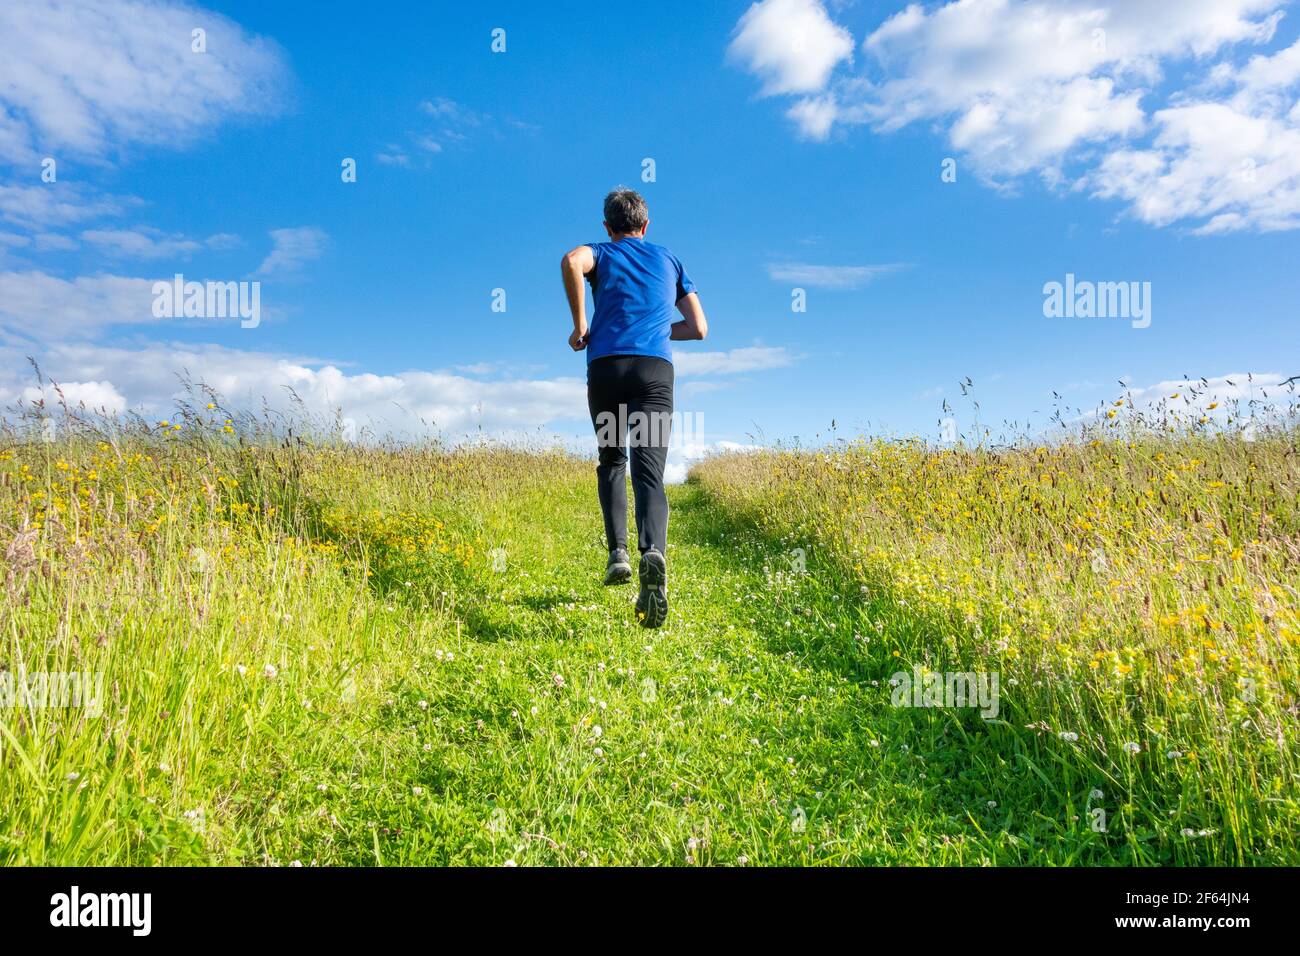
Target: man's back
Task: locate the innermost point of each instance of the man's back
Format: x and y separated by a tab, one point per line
635	286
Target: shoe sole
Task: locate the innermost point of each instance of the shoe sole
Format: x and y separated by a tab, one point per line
652	602
618	574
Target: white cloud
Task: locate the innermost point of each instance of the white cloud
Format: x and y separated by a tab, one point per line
1262	397
1239	388
792	45
57	204
752	359
1069	90
1232	164
91	396
394	156
143	243
452	112
292	249
814	115
700	387
407	403
35	306
829	277
90	77
404	405
447	124
53	242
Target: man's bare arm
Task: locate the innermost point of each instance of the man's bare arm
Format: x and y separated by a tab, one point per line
694	325
573	267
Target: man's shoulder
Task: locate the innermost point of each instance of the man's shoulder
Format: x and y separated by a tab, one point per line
662	251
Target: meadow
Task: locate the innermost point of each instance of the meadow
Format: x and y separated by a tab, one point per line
322	653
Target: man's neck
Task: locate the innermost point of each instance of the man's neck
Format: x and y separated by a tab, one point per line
627	235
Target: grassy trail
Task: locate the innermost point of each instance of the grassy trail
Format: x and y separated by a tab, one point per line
750	729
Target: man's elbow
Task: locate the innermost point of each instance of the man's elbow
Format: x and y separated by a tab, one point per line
575	261
702	329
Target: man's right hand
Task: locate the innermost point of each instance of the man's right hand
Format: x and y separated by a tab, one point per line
578	340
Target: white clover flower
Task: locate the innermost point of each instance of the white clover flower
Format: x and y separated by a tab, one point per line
597	731
1068	736
423	705
509	863
1096	795
241	669
418	791
269	672
598	752
1132	748
1174	754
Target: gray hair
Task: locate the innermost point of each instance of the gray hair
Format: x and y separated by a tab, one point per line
625	211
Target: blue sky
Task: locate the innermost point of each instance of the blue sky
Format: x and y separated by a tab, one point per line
795	143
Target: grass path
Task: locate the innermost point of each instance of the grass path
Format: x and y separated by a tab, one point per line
752	728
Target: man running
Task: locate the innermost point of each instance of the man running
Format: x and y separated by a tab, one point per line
635	285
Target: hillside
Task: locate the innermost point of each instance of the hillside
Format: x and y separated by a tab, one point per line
325	654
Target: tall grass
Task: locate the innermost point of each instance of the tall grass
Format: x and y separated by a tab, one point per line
227	576
310	655
1136	586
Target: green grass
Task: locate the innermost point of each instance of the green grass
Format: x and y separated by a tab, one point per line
427	708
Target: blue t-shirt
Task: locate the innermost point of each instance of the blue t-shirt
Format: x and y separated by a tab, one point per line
636	285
